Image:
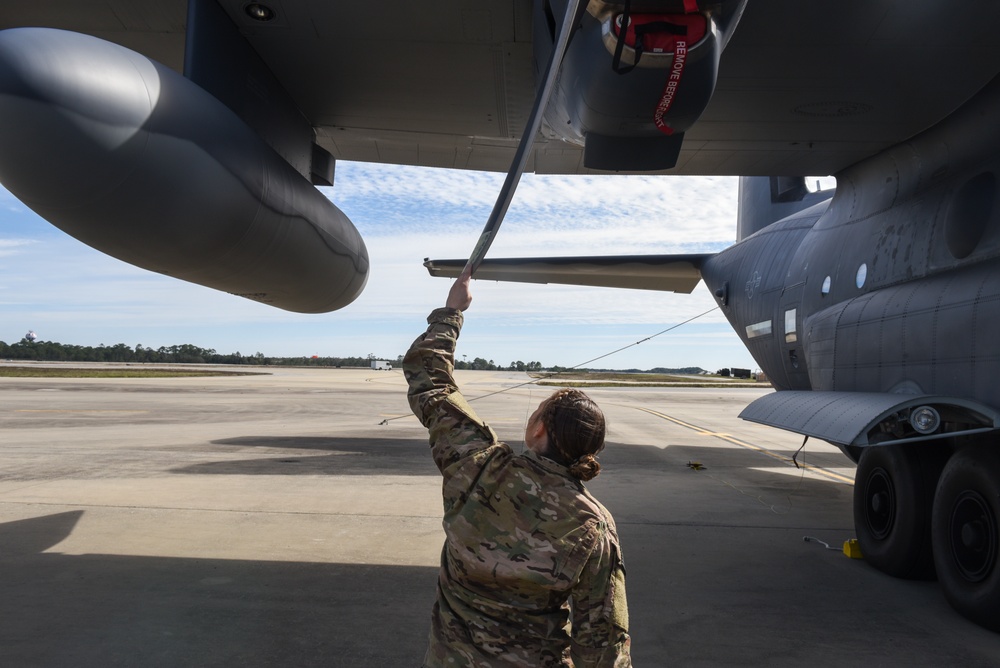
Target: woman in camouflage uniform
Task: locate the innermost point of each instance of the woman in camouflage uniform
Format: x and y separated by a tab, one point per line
531	570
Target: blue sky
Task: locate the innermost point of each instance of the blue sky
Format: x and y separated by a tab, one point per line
68	292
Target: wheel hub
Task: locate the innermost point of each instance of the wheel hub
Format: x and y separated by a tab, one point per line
880	502
881	507
974	536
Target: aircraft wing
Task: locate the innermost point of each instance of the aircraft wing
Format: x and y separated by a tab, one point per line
803	87
668	273
100	140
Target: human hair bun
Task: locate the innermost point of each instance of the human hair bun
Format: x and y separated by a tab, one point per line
585	468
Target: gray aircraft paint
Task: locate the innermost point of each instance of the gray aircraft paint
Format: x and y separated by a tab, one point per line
611	114
133	159
925	240
859	308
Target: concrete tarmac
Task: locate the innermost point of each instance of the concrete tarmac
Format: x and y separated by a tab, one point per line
271	520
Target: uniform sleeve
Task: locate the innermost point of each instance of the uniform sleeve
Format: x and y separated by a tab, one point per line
600	610
455	429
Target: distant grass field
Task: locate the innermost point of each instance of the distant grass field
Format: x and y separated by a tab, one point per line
631	377
555	382
611	376
615	379
50	372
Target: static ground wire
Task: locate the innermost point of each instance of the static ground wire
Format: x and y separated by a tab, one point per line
811	539
576	366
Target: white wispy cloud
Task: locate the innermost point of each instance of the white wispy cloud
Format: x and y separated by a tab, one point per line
655	213
10	247
68	292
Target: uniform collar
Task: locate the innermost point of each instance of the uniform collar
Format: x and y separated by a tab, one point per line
548	464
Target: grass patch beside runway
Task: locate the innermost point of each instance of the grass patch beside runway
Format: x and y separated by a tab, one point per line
630	377
49	372
555	382
613	379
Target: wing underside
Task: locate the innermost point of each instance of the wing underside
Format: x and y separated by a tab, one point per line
854	420
667	273
803	87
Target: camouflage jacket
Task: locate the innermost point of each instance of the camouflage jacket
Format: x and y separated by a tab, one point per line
531	570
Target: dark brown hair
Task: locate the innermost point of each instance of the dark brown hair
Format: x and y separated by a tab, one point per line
575	427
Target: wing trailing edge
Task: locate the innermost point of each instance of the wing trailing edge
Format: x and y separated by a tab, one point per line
666	273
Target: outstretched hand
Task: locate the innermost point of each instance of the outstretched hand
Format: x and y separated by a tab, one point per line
460	295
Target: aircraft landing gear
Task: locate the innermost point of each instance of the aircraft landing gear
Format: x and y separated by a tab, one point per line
893	490
966	534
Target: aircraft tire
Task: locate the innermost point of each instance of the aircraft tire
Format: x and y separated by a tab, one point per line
966	534
893	492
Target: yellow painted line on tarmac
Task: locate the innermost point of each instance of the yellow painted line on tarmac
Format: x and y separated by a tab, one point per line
749	446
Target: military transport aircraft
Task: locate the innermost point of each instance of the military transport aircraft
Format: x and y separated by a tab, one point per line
186	138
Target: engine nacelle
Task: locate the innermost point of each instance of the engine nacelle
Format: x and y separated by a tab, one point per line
133	159
628	94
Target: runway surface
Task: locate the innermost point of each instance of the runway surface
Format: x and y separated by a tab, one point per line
272	520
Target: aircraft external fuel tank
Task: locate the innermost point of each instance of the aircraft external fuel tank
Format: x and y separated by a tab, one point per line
136	161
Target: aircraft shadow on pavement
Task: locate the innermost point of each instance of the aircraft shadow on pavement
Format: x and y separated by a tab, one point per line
113	610
638	482
343	456
319	455
716	579
682	482
721	574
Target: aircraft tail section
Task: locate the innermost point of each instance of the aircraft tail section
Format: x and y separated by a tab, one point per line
668	273
767	199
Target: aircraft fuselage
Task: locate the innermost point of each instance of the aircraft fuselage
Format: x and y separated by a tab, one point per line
873	314
891	286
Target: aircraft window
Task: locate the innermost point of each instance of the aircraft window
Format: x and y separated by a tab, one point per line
862	276
790	334
759	329
825	290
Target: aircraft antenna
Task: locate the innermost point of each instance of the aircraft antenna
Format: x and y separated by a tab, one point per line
573	11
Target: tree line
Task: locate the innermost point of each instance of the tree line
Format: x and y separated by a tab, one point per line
480	364
50	351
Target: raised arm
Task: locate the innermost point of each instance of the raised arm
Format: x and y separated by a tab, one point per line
455	429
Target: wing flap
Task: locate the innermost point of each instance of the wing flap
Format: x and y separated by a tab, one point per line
667	273
862	419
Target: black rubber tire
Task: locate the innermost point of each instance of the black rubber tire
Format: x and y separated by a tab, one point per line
966	534
893	495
